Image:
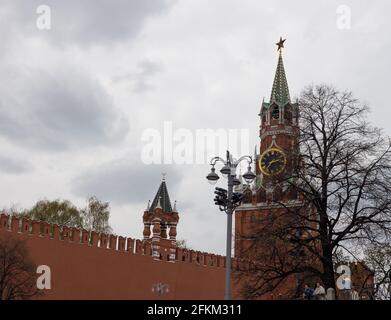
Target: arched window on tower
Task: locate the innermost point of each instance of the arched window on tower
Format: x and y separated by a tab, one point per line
292	193
277	194
247	196
275	112
288	114
261	196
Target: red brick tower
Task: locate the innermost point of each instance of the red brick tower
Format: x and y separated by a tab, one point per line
279	133
162	218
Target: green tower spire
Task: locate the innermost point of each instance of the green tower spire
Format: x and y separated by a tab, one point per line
280	90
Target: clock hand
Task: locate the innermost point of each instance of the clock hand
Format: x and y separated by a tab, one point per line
271	162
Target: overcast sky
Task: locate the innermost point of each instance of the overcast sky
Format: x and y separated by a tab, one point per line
76	99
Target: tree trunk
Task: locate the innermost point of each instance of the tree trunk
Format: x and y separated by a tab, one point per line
328	269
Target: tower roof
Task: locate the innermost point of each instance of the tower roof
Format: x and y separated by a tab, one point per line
280	90
162	199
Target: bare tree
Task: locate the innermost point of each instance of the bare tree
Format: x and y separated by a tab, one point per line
378	258
17	272
96	215
342	174
182	244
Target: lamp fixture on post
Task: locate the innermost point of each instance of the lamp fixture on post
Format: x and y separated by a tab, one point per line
228	201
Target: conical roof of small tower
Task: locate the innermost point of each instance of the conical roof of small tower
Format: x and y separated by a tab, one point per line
162	199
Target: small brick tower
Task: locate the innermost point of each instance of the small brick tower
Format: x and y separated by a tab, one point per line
161	217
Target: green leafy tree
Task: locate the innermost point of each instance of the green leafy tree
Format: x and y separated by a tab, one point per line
59	212
95	216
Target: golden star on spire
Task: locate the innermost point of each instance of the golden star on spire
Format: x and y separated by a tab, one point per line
280	44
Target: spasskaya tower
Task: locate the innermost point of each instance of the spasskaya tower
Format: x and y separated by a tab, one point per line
279	134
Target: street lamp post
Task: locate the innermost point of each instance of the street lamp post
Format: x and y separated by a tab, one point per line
228	200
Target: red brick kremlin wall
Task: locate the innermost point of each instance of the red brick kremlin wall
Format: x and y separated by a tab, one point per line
88	265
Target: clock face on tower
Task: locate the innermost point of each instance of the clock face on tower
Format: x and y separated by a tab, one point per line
272	161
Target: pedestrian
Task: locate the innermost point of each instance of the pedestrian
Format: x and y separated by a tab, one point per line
308	292
319	292
354	294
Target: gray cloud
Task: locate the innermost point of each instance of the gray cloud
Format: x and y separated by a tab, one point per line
87	22
60	109
125	182
13	165
140	81
219	61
